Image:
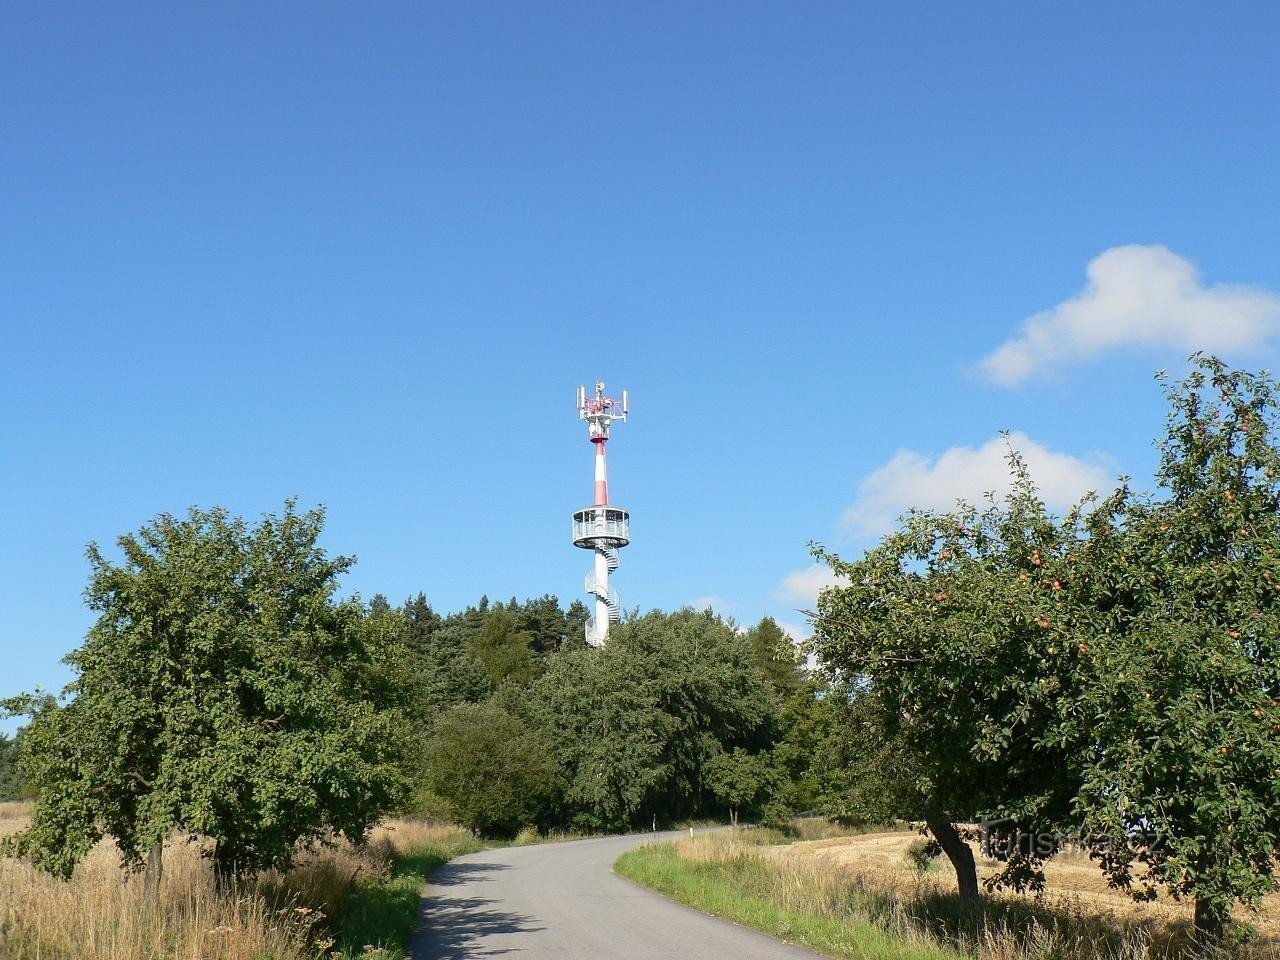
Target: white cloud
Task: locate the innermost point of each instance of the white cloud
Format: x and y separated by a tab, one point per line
1137	296
798	632
802	586
716	604
912	480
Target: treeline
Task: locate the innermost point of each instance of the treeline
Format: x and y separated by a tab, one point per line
1109	679
682	715
12	786
226	692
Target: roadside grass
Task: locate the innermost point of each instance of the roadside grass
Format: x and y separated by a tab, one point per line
339	900
892	912
744	890
378	917
102	913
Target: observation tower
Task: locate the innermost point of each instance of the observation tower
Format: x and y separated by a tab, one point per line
602	527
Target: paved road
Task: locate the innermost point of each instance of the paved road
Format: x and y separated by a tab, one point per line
562	901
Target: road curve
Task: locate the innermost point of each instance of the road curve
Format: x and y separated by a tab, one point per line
563	901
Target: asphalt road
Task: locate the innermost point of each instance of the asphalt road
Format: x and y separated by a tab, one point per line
563	901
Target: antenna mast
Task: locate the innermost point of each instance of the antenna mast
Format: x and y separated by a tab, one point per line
602	527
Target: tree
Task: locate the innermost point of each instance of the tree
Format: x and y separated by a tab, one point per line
634	724
575	619
1115	674
494	771
742	780
449	674
777	656
222	692
858	774
544	622
1179	725
12	786
607	735
956	628
504	650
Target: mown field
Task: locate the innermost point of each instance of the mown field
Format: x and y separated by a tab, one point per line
1074	884
338	901
865	897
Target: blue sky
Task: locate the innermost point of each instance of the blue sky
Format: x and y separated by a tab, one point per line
364	254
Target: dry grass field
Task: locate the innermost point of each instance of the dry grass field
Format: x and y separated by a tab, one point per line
840	883
1074	883
101	914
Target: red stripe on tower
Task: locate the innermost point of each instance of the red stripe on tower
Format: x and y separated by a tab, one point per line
602	475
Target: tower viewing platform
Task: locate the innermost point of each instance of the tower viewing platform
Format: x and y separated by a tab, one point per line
606	525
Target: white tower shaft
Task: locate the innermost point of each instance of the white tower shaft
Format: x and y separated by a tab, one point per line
602	528
601	619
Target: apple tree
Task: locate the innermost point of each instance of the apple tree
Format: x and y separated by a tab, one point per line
1178	726
957	632
223	692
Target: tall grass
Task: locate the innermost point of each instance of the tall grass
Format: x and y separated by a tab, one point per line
335	895
742	888
102	914
847	913
377	918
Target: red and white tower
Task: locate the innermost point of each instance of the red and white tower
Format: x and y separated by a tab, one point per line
601	527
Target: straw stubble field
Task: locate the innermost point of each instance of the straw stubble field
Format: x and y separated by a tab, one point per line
1073	882
850	881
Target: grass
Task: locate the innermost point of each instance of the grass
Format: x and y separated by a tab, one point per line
1078	909
1073	880
378	917
878	906
101	913
742	889
339	900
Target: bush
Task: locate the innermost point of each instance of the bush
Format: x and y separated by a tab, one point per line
494	772
919	856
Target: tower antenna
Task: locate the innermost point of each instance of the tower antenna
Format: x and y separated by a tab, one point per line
602	527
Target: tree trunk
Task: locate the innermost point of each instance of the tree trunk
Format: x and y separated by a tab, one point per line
961	857
155	872
1210	921
223	866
